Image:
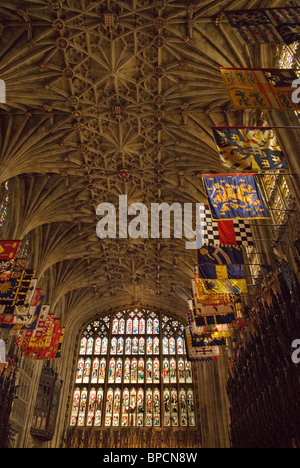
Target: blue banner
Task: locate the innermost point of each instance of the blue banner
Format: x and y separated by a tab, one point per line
249	149
235	196
220	255
222	272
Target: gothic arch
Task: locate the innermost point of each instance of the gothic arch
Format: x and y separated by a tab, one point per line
130	372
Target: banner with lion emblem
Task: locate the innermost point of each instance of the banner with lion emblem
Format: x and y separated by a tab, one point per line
235	196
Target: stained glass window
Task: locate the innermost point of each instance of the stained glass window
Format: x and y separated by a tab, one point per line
95	371
87	371
4	204
115	326
102	370
113	349
132	370
90	345
98	346
286	55
98	407
104	346
91	407
83	346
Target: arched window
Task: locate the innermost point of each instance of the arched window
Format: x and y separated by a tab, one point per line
132	370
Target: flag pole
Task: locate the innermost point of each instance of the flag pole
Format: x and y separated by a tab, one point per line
268	240
297	127
282	174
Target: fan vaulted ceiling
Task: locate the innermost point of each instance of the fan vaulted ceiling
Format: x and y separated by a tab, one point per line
109	98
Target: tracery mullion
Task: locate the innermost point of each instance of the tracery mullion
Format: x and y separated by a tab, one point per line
106	384
139	386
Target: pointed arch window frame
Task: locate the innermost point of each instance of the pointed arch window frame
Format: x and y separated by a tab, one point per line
138	366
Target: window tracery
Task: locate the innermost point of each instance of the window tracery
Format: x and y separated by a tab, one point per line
132	370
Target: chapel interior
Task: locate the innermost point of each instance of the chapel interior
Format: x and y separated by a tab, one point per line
106	98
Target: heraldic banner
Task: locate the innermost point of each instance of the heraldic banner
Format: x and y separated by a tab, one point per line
264	88
249	149
262	26
231	232
234	196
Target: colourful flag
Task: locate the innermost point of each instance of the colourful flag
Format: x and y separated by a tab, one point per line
268	25
232	232
59	347
220	255
53	345
42	327
25	287
289	30
8	290
9	249
214	330
30	295
221	272
215	319
210	298
5	269
249	149
229	286
14	290
26	337
222	264
207	310
251	88
29	322
34	302
200	353
206	340
235	196
6	321
18	267
200	309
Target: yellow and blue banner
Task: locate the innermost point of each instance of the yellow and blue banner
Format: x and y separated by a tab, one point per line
261	88
221	272
249	148
215	255
206	297
235	196
223	287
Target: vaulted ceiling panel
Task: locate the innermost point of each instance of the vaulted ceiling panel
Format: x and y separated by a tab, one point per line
109	98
